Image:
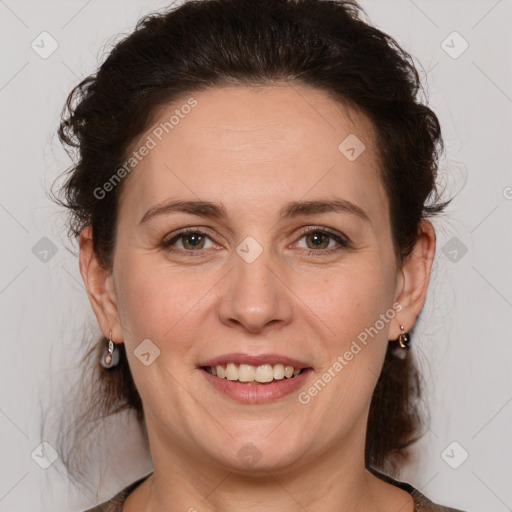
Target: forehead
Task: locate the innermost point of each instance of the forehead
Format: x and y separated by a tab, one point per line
257	143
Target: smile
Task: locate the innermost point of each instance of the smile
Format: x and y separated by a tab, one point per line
253	391
246	373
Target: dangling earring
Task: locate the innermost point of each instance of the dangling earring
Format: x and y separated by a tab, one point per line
403	339
110	356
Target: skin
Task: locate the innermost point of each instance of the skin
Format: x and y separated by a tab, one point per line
255	149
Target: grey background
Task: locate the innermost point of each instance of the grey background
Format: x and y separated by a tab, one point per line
464	340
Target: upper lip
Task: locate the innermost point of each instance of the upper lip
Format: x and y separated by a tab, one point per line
255	360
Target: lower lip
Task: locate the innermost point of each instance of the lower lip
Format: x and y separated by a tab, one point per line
257	393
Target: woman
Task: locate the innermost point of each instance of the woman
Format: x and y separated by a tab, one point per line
251	197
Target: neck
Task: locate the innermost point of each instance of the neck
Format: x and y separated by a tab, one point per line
332	482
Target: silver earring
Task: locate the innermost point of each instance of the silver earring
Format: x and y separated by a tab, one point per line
403	339
110	356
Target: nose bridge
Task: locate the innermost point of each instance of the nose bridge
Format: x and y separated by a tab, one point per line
254	296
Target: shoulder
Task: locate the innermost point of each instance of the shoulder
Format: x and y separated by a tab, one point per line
115	504
421	502
424	504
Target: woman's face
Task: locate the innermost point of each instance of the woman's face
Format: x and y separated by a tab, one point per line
269	274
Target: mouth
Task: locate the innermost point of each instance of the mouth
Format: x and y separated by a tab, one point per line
255	379
252	375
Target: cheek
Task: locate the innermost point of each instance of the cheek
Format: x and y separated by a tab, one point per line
142	298
352	298
155	304
356	304
157	301
353	351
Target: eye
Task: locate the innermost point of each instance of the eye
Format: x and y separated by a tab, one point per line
191	240
320	240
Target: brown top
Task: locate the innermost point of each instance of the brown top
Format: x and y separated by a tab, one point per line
421	502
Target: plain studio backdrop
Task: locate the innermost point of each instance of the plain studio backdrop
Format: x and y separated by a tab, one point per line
463	343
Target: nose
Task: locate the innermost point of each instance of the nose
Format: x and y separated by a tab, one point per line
255	295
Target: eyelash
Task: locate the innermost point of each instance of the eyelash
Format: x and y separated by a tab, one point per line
341	240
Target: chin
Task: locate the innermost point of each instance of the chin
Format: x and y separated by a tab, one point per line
259	456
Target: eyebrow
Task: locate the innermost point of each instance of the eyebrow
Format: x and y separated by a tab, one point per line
218	211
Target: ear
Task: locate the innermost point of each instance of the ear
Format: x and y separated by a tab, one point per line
99	283
413	280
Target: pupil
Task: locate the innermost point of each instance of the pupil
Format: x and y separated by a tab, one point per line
193	236
317	239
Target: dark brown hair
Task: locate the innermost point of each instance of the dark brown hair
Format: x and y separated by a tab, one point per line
206	43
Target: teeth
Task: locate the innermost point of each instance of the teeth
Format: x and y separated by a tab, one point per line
264	373
278	371
248	373
231	371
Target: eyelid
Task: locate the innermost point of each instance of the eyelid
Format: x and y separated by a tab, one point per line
323	229
341	239
184	231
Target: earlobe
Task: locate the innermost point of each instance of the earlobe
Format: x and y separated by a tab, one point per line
415	278
98	282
